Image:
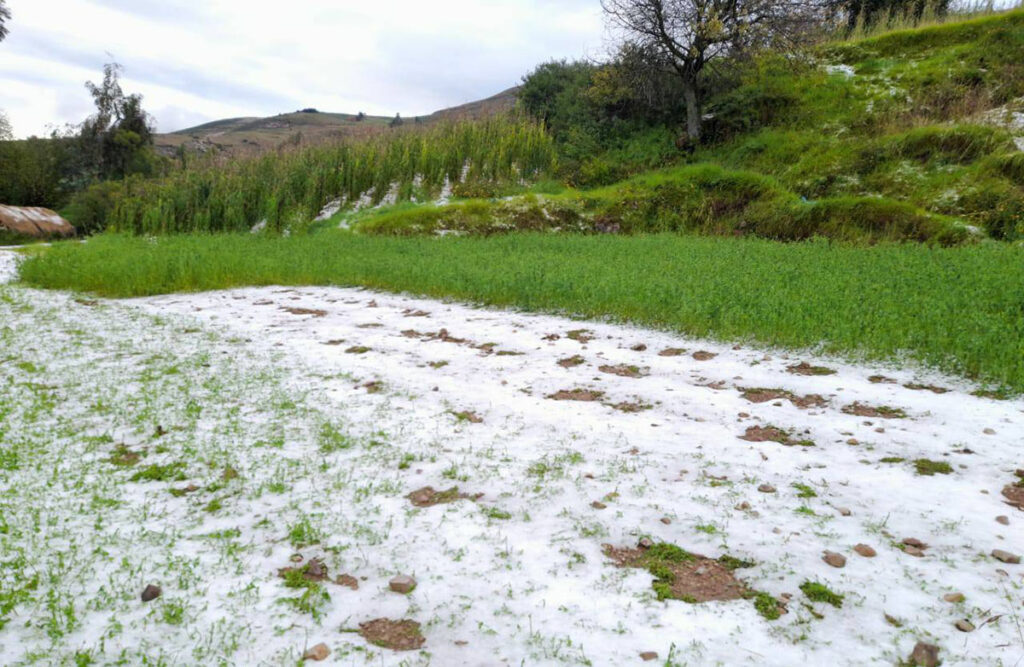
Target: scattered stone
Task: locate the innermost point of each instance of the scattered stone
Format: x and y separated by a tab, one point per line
672	352
834	559
865	551
914	542
1003	519
989	431
881	379
624	370
665	520
1014	494
702	355
963	625
639	347
403	583
317	653
1005	556
647	656
804	368
766	488
295	558
853	441
913	551
924	655
151	592
954	597
598	505
844	511
744	506
645	543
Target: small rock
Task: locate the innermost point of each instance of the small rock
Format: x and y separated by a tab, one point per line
924	655
744	415
913	551
665	520
647	656
744	506
963	625
700	571
151	592
834	559
865	550
853	441
953	597
598	505
317	653
845	511
403	583
766	488
1003	519
989	431
914	542
1005	556
645	543
639	347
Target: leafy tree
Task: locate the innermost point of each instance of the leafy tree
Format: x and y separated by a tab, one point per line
117	140
870	12
5	16
692	35
6	131
397	120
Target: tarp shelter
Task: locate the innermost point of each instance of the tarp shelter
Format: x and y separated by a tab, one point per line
33	222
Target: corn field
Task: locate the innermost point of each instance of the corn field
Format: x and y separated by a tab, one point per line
279	189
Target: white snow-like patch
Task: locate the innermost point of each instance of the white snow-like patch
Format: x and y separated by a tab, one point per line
845	70
330	210
9	260
272	383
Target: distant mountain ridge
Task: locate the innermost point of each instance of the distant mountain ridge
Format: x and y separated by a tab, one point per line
254	134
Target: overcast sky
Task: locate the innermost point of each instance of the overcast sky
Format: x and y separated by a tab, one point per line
201	60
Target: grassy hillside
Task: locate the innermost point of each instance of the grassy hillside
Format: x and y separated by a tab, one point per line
911	135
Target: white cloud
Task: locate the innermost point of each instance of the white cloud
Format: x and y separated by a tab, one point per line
197	61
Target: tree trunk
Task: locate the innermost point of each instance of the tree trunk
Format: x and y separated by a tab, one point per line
693	111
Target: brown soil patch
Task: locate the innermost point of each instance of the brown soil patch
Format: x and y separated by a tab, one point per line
264	302
551	337
370	325
409	312
412	333
347	580
314	570
571	362
881	379
804	368
577	395
672	352
445	337
631	407
624	370
881	412
1014	494
761	395
304	311
357	349
428	497
373	387
336	342
772	434
702	355
926	387
699	579
402	635
581	335
87	302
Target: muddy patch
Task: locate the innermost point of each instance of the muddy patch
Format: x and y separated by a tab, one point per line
428	497
877	411
571	362
624	370
401	635
771	433
315	312
703	355
680	575
631	407
585	395
914	386
581	335
804	368
762	395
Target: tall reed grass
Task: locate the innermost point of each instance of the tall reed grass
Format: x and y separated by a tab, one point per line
280	189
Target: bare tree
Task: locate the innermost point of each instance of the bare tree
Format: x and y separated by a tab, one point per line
6	131
693	34
5	16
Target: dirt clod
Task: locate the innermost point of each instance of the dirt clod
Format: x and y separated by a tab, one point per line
672	352
924	655
865	551
315	312
401	635
428	497
647	656
347	580
581	335
914	386
571	362
1014	494
1005	556
693	579
702	355
624	370
766	488
834	559
772	434
954	597
879	412
761	395
586	395
804	368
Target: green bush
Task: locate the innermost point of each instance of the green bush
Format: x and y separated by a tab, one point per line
90	209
